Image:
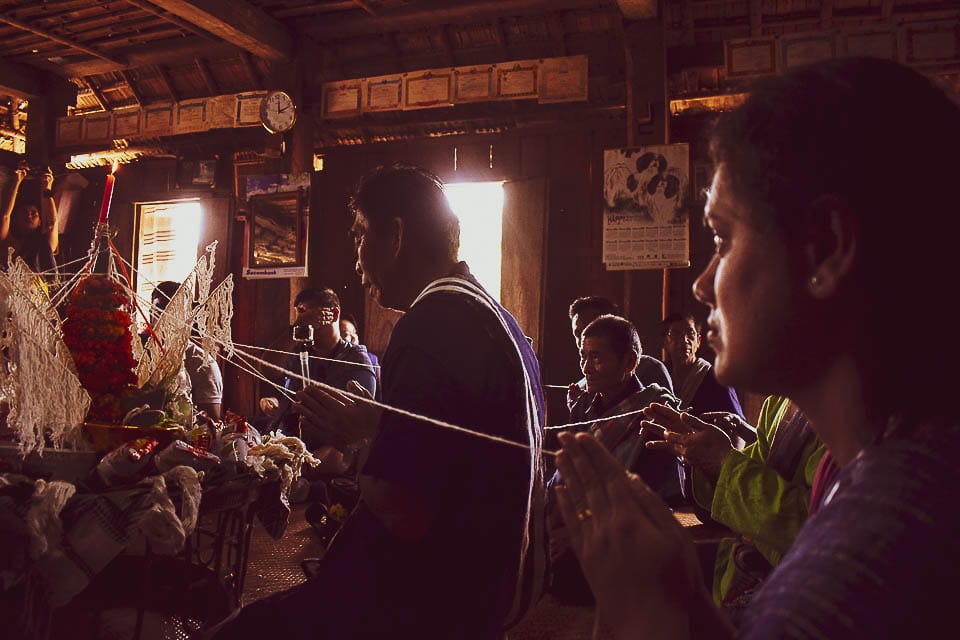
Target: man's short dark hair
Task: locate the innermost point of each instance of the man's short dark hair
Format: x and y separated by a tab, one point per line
685	317
163	293
415	196
619	332
319	297
592	304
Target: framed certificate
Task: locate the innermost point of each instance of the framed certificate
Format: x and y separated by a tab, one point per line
473	84
518	79
342	99
383	93
750	57
563	79
126	123
428	89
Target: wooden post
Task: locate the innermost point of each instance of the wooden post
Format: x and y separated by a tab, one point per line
646	78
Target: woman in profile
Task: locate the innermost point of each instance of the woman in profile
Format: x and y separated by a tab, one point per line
817	293
31	231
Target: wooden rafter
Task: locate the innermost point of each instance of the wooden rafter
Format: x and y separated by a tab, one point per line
448	49
422	15
208	78
365	6
13	22
130	85
252	75
756	18
169	17
236	21
164	76
96	93
558	33
826	13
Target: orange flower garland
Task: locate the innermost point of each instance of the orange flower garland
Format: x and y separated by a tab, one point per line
97	332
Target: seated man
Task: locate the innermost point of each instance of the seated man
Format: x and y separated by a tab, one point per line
333	360
609	354
350	333
760	493
206	378
585	310
693	379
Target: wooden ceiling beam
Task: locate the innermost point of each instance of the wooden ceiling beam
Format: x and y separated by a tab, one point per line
208	78
251	69
432	13
365	6
23	26
97	95
167	82
235	21
169	17
130	85
756	18
180	51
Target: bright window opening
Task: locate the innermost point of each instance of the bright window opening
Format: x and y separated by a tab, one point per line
479	206
168	242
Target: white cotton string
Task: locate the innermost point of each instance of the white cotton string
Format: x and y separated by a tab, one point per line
556	386
357	398
603	419
318	358
397	410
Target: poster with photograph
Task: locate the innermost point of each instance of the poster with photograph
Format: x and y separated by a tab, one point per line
646	207
278	211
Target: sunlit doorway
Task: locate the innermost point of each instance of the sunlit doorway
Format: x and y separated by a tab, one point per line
168	239
479	206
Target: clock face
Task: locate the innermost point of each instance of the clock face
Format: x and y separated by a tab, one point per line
277	112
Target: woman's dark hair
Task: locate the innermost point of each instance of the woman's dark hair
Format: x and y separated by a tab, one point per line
619	332
853	129
673	186
415	196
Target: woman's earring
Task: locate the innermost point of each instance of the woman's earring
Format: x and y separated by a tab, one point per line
814	281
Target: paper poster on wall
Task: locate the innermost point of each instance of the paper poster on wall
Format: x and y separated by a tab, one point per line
158	120
342	99
383	93
248	108
749	57
472	84
518	79
930	42
278	208
126	123
871	42
69	130
222	112
97	127
563	79
191	116
646	207
806	48
428	89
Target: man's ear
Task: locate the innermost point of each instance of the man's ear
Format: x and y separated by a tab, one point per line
831	244
631	359
396	235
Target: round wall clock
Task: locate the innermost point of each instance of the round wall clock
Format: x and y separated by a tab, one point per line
278	112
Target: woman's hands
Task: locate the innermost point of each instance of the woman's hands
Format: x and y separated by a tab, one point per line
636	557
696	442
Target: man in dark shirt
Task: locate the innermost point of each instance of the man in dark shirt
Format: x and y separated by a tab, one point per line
585	310
447	541
333	360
